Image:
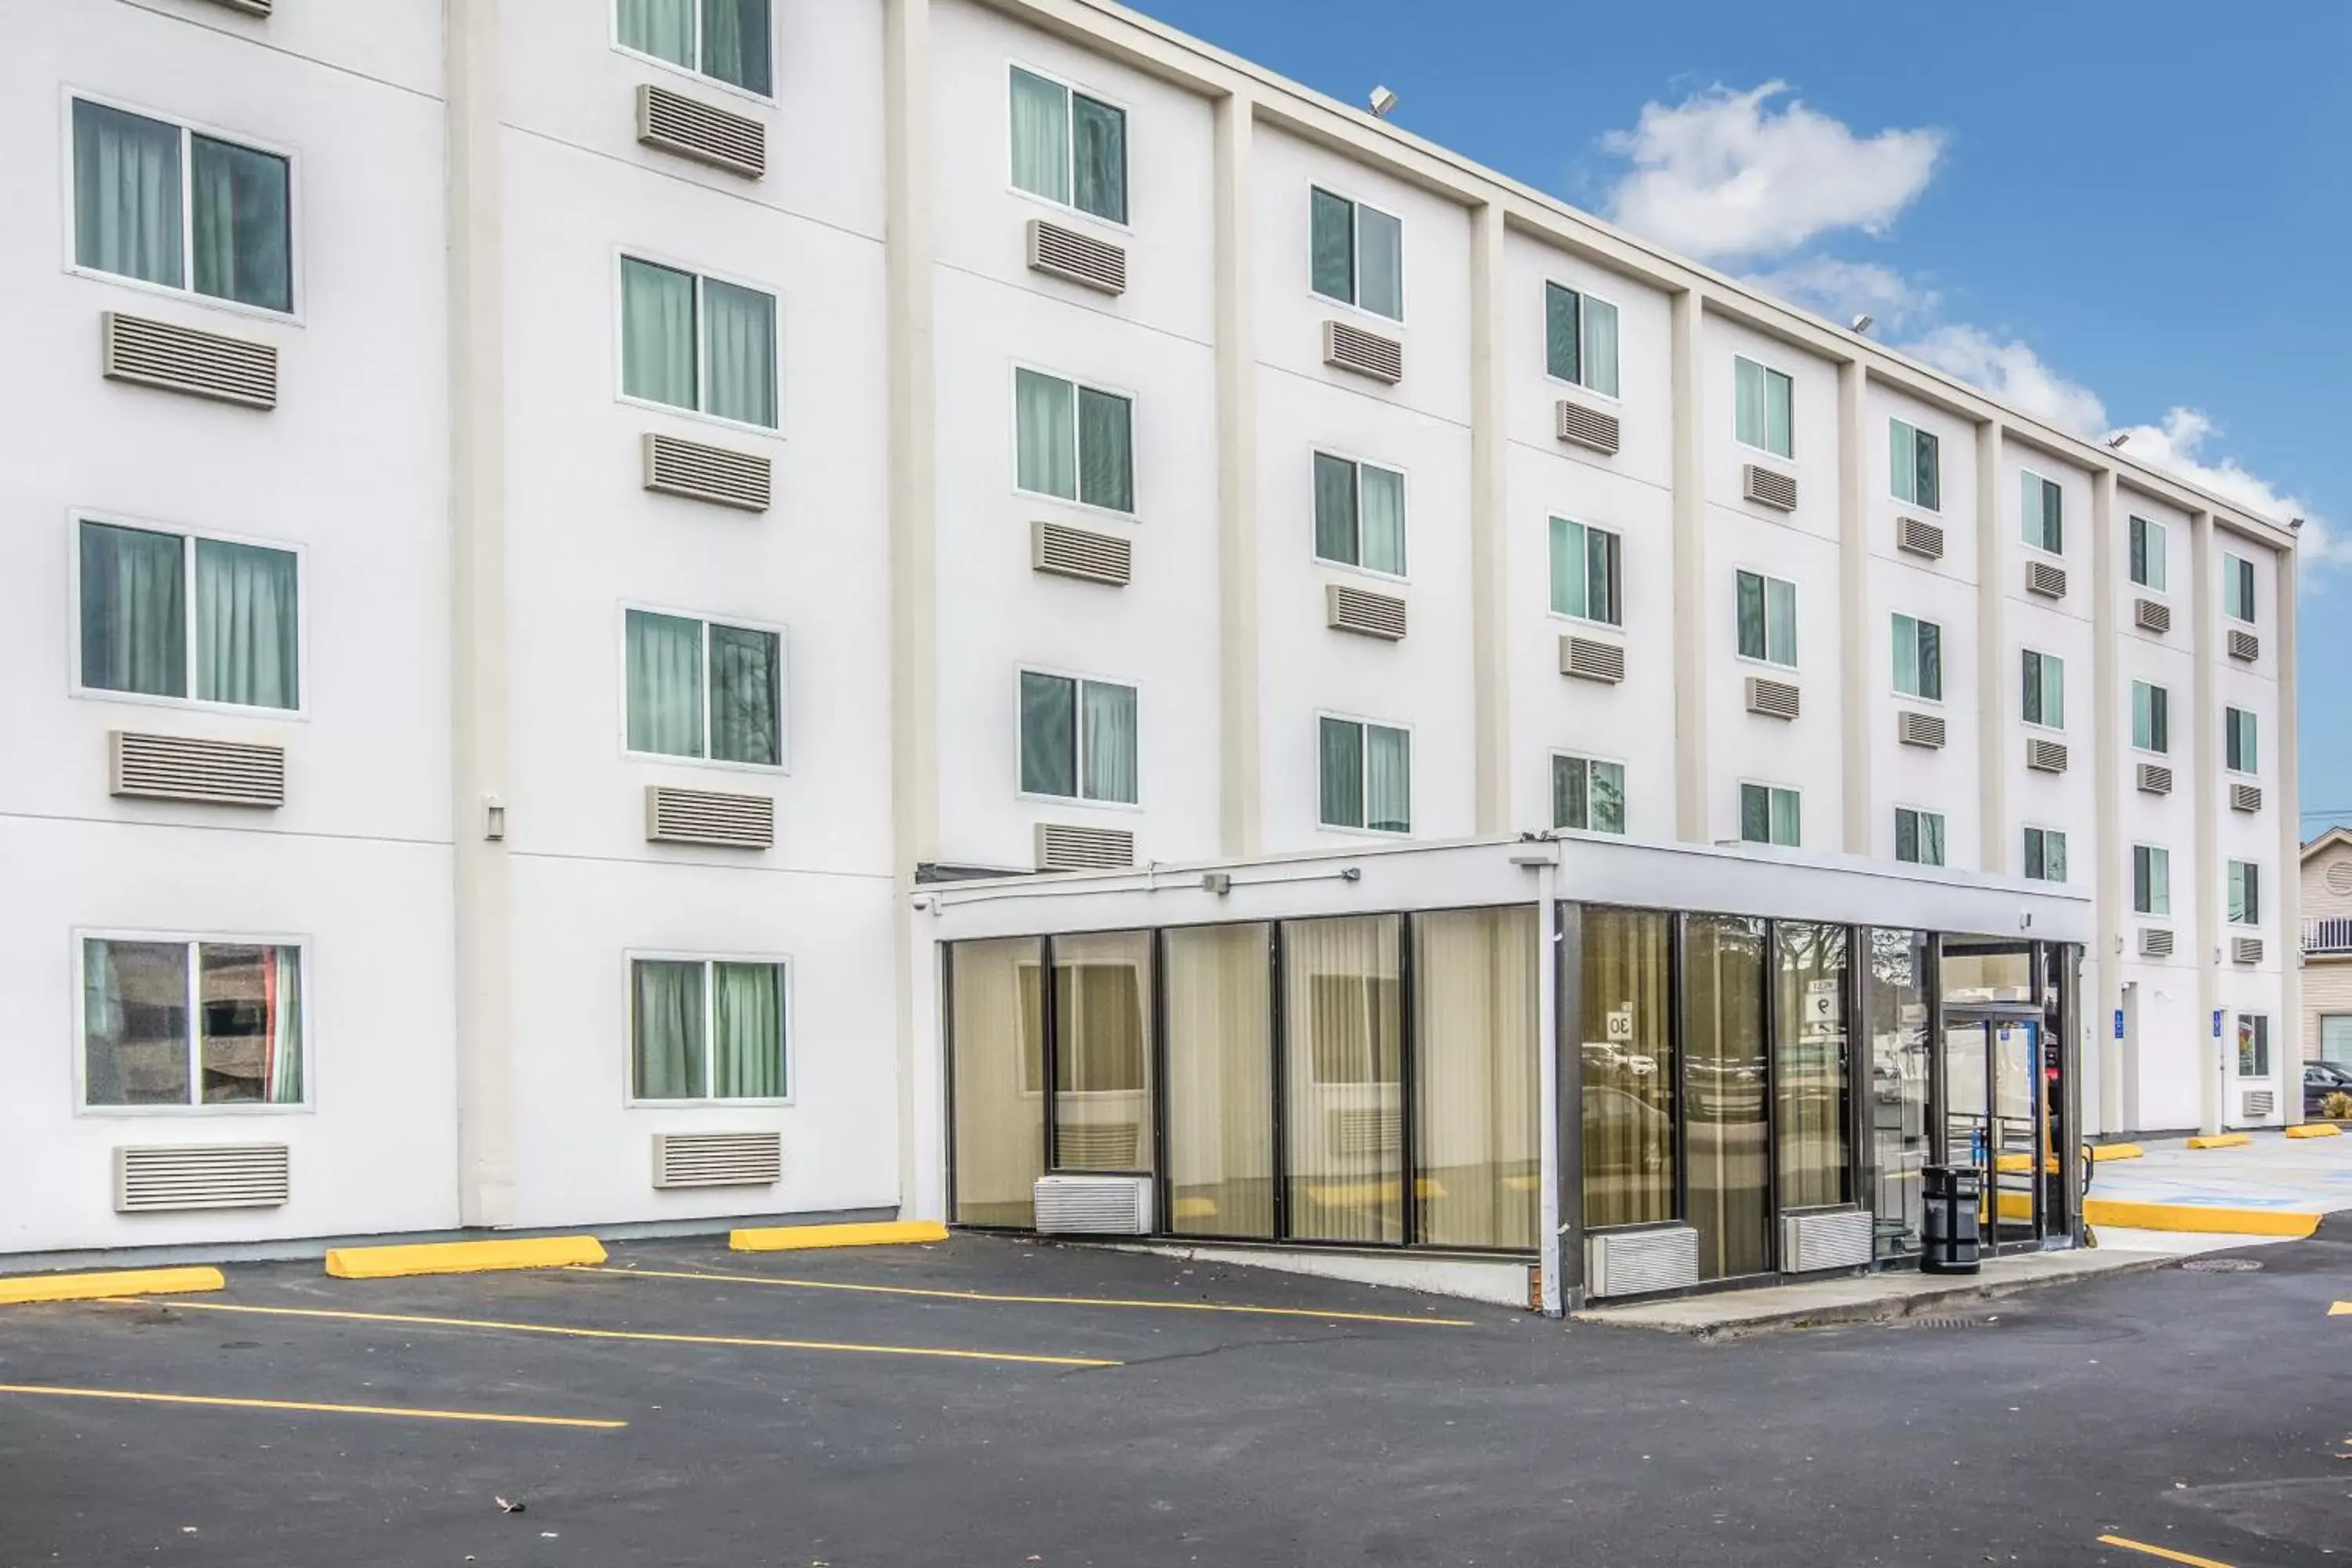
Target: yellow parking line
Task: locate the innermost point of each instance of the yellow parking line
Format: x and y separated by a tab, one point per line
400	1410
566	1331
2160	1552
1043	1300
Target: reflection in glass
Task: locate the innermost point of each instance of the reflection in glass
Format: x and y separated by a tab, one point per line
1102	1075
999	1050
1220	1081
1809	1080
1342	1093
1628	1068
1894	1010
1474	1034
1965	1091
1723	1013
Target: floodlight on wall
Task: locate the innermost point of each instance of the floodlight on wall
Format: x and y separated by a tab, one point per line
1863	323
1382	101
2115	442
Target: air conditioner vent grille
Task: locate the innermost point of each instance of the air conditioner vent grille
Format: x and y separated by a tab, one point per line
1365	613
159	1178
2245	797
2245	646
1066	552
1065	846
1075	257
2155	941
2155	778
2045	756
1367	1132
702	132
690	468
1768	487
2152	616
1914	728
1913	537
1100	1145
718	1159
1635	1262
1585	427
1826	1239
182	767
1590	659
182	359
1773	698
2045	580
2246	950
1093	1205
2259	1104
1365	354
721	819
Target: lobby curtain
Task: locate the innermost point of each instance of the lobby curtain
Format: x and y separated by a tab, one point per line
1044	416
1102	1052
1220	1080
744	692
662	28
735	46
997	1079
1041	136
657	333
1475	1066
1388	779
1627	1049
126	194
242	226
668	1007
1810	1076
134	627
1110	742
1341	1079
1383	519
248	646
739	329
665	684
1106	450
748	1031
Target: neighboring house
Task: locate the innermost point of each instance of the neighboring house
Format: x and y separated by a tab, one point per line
2327	947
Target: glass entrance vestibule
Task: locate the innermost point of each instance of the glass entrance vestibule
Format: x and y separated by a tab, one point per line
1752	1096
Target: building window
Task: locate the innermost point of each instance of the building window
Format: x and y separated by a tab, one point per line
2151	880
1767	619
698	344
726	40
1359	254
2253	1046
1918	836
172	615
1358	514
2245	893
168	1022
1763	403
1367	776
2238	749
706	1029
168	205
2045	689
1915	465
2237	588
1587	795
1771	815
2045	855
2147	553
1581	339
1077	739
2151	718
1918	658
1068	148
1073	442
1586	567
675	660
2044	512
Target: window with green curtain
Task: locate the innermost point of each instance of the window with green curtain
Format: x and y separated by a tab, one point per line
1106	450
747	1033
662	28
1585	567
1388	779
1108	736
2045	689
1041	136
1770	814
240	1044
657	347
134	626
2044	508
667	1055
665	684
1379	263
2239	752
739	334
2152	717
1099	158
698	344
736	44
1049	735
249	643
1918	658
1333	246
1763	414
1750	598
1588	795
1342	753
1046	434
1381	519
2237	588
746	695
1767	618
2245	893
2151	881
1563	333
1335	509
2045	855
240	228
127	219
1915	465
1598	347
2147	553
1788	822
1918	836
1358	514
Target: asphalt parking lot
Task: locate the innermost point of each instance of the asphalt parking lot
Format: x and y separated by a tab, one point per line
988	1401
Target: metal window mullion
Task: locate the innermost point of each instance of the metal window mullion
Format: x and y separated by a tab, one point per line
709	693
1678	1039
1078	739
1156	1053
187	209
196	1026
1277	1096
1078	439
1049	1045
1070	142
1408	1090
701	338
189	617
709	1030
1767	976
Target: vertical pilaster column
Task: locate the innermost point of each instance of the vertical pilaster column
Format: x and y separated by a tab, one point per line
478	649
2205	794
1489	503
1240	738
1858	724
1995	684
1693	669
2113	891
2288	879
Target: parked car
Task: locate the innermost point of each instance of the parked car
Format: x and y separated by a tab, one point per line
2321	1079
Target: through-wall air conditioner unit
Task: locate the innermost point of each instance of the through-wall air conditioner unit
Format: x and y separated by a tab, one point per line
1815	1239
2045	581
1093	1205
715	473
1768	487
1582	427
2155	941
172	358
183	767
2246	950
721	819
718	1159
1772	699
1636	1262
2045	756
704	133
2245	646
1075	257
2245	797
1065	846
2152	616
1365	354
162	1178
2155	778
1914	728
2257	1104
1913	537
1590	659
1364	613
1061	550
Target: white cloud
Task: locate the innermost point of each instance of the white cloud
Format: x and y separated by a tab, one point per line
1723	174
1841	291
2177	445
2014	373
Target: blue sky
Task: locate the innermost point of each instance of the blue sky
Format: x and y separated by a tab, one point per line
2109	212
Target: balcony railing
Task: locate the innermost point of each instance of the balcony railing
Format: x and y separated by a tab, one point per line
2331	935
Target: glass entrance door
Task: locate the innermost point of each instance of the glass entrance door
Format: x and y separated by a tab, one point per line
1995	1119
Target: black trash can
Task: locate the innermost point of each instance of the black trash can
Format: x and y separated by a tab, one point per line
1952	1237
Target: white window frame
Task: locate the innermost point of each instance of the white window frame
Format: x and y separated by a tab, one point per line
1070	86
188	536
307	1105
2042	723
631	957
2166	692
1356	273
1364	772
2035	544
2228	874
2230	715
651	258
2153	850
693	73
1078	426
1894	685
1583	293
186	290
2160	536
2026	860
708	618
1359	463
1766	660
1551	789
2233	567
1078	718
1770	790
1916	430
1553	611
1944	830
1770	369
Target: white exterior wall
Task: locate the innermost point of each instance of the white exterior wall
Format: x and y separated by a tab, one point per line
2253	836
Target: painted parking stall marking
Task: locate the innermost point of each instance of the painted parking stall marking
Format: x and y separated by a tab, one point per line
2166	1552
401	1412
